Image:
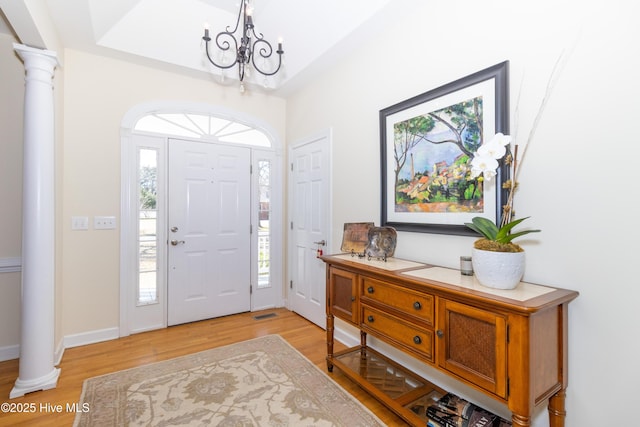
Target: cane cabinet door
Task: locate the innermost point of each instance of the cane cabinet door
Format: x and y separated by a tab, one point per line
472	344
343	294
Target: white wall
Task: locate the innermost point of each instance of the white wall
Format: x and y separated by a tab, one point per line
98	93
11	113
88	121
578	179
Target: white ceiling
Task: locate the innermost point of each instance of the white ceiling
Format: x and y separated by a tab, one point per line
168	33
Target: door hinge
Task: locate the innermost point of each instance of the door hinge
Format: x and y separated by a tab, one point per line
508	333
250	169
291	167
508	387
290	284
250	228
292	225
250	289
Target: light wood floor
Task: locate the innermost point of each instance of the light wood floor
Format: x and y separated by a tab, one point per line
80	363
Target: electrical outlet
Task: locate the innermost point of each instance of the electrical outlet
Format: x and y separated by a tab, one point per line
104	222
79	222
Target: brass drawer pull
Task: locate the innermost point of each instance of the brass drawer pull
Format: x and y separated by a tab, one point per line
370	318
353	299
370	289
417	305
439	333
417	340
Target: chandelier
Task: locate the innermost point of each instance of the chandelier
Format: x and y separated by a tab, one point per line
246	46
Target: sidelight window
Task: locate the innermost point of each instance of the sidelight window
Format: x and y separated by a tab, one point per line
264	223
147	226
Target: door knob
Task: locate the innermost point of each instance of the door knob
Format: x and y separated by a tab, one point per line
321	243
177	242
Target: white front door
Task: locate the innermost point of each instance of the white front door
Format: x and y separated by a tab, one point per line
309	226
209	260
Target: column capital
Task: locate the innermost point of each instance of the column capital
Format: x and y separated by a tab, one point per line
28	53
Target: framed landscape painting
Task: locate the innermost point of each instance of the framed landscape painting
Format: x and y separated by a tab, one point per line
427	143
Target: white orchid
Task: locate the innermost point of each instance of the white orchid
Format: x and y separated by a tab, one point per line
485	161
485	166
496	147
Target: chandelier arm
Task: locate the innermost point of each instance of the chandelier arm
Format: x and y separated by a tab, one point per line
258	36
266	51
245	49
223	45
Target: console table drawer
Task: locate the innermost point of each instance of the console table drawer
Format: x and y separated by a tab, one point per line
411	303
418	341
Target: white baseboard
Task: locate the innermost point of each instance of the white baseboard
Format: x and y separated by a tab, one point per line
9	352
13	351
91	337
346	337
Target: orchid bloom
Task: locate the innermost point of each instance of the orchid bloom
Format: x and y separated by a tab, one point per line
485	161
501	139
485	166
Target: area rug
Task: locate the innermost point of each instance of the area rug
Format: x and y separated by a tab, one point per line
260	382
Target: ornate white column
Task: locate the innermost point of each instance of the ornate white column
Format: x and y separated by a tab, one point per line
37	370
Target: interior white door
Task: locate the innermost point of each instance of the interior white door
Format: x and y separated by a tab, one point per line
310	226
209	231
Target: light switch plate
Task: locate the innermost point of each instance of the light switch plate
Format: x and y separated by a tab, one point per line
104	222
79	222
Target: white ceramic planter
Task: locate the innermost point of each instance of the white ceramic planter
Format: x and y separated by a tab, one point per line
498	270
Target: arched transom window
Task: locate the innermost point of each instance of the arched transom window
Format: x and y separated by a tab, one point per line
203	126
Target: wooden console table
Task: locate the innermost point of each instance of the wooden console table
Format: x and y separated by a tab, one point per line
510	345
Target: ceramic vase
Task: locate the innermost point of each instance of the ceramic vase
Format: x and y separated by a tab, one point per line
498	270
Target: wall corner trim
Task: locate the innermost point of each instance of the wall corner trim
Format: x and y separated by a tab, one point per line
10	265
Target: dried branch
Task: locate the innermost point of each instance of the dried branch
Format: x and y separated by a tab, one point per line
511	185
553	77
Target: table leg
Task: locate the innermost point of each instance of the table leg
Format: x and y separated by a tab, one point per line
557	412
329	342
520	421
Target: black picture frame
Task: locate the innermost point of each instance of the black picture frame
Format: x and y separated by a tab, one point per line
488	88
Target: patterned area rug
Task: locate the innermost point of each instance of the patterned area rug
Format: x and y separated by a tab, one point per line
260	382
